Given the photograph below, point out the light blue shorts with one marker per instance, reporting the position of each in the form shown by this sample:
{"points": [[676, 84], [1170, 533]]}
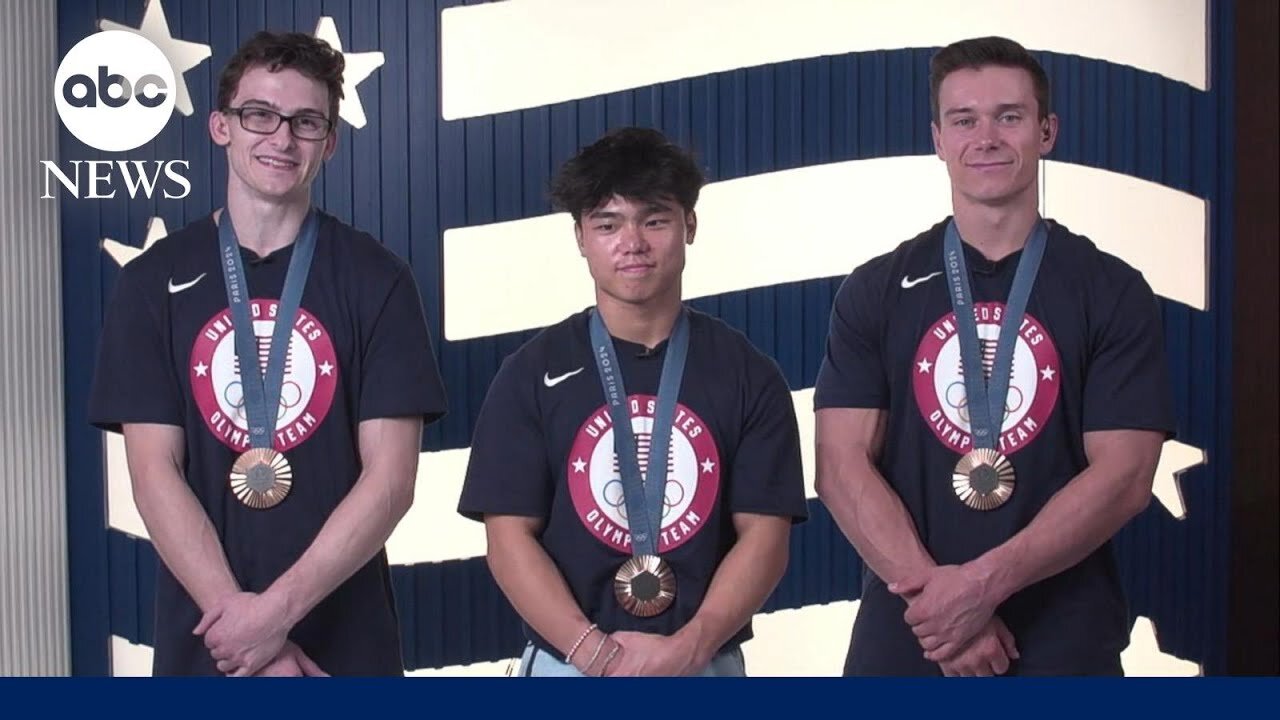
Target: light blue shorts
{"points": [[540, 663]]}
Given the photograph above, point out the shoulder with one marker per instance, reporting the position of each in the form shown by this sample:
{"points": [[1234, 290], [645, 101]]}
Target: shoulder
{"points": [[1085, 265], [729, 347], [913, 258], [184, 251], [555, 346], [359, 251]]}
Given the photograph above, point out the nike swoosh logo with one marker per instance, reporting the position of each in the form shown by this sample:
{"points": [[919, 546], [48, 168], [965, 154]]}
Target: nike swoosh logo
{"points": [[554, 381], [184, 286], [908, 283]]}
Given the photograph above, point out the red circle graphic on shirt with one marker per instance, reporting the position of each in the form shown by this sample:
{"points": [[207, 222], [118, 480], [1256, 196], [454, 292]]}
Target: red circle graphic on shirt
{"points": [[939, 380], [693, 475], [310, 376]]}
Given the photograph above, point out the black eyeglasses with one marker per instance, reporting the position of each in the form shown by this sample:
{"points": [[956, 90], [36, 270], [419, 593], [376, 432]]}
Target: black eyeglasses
{"points": [[262, 121]]}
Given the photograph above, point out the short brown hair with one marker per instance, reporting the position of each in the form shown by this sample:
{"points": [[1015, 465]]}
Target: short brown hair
{"points": [[310, 56], [977, 53]]}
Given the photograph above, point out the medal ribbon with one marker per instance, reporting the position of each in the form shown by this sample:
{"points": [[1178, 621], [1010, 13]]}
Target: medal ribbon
{"points": [[986, 399], [643, 499], [263, 393]]}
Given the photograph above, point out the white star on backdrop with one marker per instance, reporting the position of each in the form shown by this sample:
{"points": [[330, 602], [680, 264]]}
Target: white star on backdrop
{"points": [[924, 366], [1047, 373], [182, 55], [359, 66], [201, 369], [708, 466], [325, 368], [123, 254], [579, 465]]}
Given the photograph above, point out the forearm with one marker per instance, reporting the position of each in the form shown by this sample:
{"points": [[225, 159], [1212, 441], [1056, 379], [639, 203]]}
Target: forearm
{"points": [[536, 589], [182, 534], [1077, 520], [872, 517], [356, 530], [741, 585]]}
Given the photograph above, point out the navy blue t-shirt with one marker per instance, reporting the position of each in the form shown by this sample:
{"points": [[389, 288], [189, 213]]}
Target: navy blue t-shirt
{"points": [[360, 350], [1090, 356], [543, 447]]}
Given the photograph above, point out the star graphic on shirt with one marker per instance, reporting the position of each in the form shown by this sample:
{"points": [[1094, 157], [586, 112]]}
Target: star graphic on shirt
{"points": [[579, 465], [325, 368], [1047, 373], [358, 67], [201, 369], [924, 365], [708, 466]]}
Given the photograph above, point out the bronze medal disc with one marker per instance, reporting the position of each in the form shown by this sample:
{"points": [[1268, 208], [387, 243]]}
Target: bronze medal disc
{"points": [[261, 478], [983, 479], [645, 585]]}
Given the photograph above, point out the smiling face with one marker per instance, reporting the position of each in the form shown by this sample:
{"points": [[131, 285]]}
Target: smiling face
{"points": [[635, 249], [275, 166], [990, 135]]}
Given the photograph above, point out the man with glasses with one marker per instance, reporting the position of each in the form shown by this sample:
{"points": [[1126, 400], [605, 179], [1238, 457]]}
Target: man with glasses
{"points": [[271, 370]]}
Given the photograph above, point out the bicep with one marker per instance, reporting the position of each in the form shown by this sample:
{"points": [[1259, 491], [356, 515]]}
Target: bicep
{"points": [[391, 445], [774, 529], [501, 530], [850, 432], [1130, 453], [149, 446]]}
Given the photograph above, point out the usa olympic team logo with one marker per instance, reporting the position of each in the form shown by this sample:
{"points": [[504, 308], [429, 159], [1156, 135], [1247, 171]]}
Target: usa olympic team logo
{"points": [[310, 376], [939, 379], [693, 475]]}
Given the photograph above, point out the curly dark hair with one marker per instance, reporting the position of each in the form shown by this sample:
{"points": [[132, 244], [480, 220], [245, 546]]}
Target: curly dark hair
{"points": [[639, 164], [310, 56]]}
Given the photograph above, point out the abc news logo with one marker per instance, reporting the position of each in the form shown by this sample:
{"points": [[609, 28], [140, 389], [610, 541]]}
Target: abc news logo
{"points": [[114, 92]]}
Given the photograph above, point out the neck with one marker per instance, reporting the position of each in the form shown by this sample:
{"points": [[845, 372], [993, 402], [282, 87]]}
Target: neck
{"points": [[996, 232], [647, 324], [263, 225]]}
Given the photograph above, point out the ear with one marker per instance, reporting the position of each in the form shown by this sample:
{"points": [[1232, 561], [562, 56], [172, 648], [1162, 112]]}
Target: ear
{"points": [[331, 143], [577, 235], [219, 129], [691, 226], [937, 141], [1048, 134]]}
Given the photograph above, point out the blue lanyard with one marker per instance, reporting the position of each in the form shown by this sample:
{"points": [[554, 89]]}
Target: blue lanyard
{"points": [[986, 399], [261, 393], [644, 500]]}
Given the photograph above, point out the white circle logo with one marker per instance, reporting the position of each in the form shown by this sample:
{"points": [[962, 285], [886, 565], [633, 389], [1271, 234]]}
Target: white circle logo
{"points": [[114, 90]]}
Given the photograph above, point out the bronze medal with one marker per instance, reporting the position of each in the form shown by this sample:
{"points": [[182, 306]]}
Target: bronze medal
{"points": [[645, 585], [261, 478], [983, 479]]}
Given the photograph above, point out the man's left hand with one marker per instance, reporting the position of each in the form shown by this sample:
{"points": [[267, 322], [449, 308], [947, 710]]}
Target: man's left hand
{"points": [[650, 655], [244, 632], [946, 606]]}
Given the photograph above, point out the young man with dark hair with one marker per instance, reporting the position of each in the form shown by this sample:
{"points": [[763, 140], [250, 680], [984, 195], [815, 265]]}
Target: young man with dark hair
{"points": [[612, 572], [271, 370], [991, 408]]}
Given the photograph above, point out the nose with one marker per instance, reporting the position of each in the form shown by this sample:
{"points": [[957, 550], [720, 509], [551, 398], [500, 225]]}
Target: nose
{"points": [[631, 240], [282, 138], [988, 134]]}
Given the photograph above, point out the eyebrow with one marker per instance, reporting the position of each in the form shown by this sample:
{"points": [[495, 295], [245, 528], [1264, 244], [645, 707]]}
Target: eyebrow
{"points": [[255, 102], [1002, 107]]}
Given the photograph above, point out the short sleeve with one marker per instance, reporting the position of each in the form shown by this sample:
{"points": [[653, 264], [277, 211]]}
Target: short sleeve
{"points": [[508, 473], [133, 379], [852, 373], [768, 476], [399, 376], [1127, 383]]}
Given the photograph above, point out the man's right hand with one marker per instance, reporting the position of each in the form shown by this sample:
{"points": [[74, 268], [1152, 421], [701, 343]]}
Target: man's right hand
{"points": [[987, 654], [291, 662]]}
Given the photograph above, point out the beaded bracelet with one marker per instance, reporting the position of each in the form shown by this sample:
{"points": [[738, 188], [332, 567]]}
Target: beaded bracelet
{"points": [[569, 658]]}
